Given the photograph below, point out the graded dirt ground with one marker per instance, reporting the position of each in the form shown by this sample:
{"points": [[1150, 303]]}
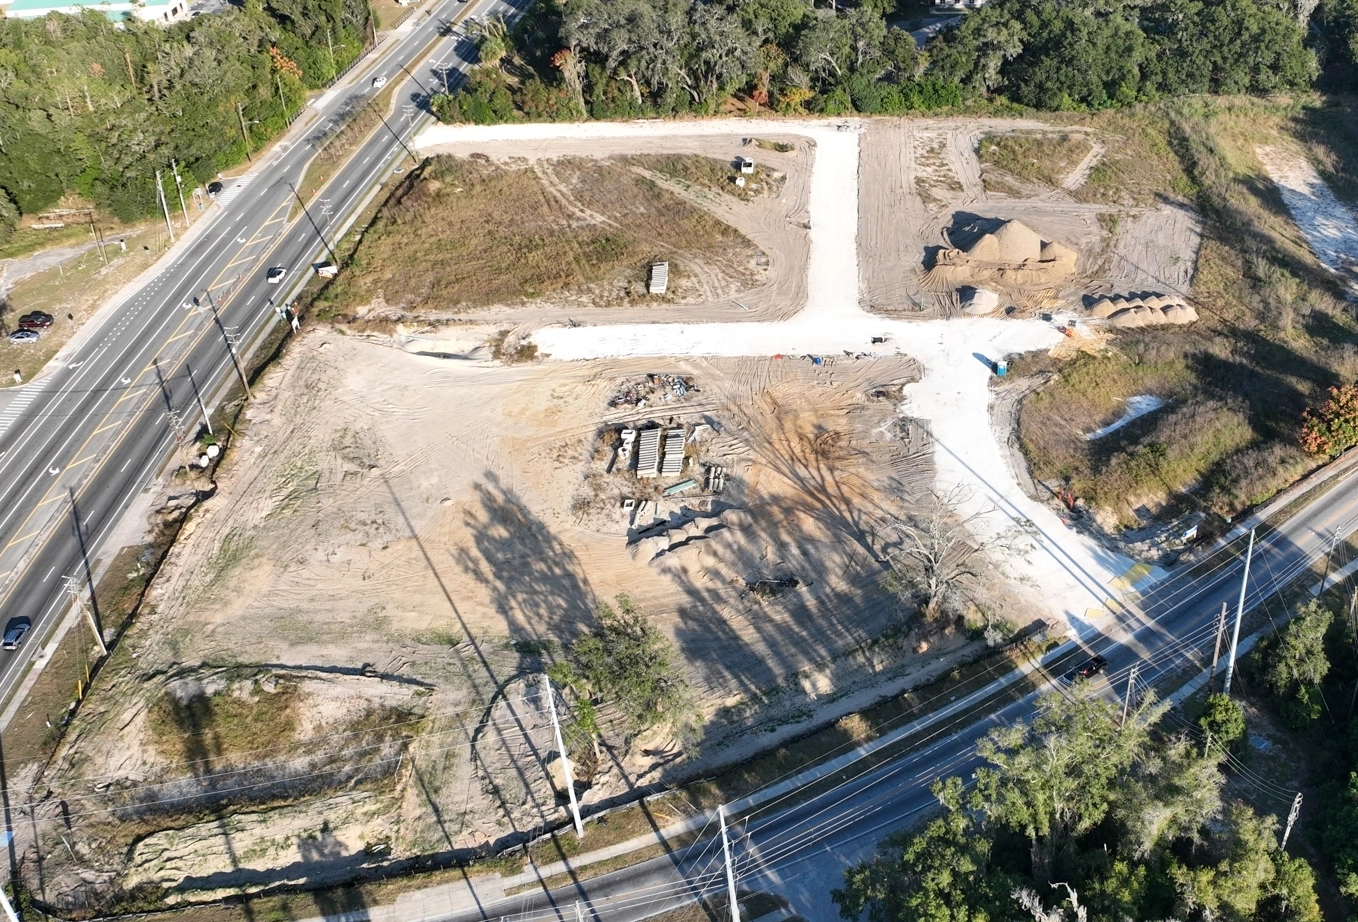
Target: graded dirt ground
{"points": [[404, 540]]}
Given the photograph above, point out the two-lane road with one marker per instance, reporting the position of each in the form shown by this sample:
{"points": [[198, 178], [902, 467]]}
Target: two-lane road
{"points": [[99, 428]]}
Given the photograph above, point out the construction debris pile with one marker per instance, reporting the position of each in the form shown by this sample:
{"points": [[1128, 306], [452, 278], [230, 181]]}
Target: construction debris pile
{"points": [[653, 389], [1149, 310], [1013, 254]]}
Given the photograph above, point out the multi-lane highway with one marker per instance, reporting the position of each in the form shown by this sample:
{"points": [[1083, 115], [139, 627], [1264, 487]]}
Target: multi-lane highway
{"points": [[95, 432], [799, 847]]}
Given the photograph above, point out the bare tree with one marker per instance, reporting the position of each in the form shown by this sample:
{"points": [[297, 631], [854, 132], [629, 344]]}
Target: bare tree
{"points": [[936, 554]]}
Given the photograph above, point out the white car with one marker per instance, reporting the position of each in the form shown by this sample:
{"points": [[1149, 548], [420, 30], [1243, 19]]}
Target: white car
{"points": [[276, 275], [379, 82]]}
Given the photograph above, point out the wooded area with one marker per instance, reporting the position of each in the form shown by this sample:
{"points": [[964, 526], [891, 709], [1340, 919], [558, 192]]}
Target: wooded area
{"points": [[626, 58], [93, 108]]}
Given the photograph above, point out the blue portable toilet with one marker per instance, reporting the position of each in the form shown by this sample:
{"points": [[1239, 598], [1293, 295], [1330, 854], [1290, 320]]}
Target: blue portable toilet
{"points": [[1001, 367]]}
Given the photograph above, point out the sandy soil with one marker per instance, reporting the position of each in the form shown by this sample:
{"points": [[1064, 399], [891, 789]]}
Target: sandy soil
{"points": [[1326, 223]]}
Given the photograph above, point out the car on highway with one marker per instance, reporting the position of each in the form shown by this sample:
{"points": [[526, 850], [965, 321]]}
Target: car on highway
{"points": [[15, 631], [379, 82], [37, 320], [214, 188], [1086, 670], [276, 275], [25, 336]]}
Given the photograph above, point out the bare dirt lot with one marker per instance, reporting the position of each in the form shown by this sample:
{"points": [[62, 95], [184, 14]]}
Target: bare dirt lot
{"points": [[397, 542]]}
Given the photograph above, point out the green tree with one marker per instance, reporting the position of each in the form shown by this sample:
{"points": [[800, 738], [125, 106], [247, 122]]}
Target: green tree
{"points": [[1224, 719], [1052, 779], [1294, 663], [628, 663]]}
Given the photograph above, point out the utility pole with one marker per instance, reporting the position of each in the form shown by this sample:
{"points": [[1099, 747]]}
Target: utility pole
{"points": [[10, 914], [730, 869], [94, 232], [1292, 818], [73, 590], [565, 759], [282, 100], [1216, 651], [184, 209], [164, 206], [1131, 686], [1239, 615], [179, 439], [232, 335], [1207, 744], [207, 420], [240, 114], [409, 112], [331, 45]]}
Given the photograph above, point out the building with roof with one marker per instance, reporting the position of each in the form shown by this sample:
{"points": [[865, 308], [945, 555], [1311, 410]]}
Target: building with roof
{"points": [[948, 6], [162, 11]]}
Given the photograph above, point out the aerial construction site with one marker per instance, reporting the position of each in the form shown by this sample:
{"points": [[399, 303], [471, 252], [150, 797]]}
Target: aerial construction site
{"points": [[499, 416]]}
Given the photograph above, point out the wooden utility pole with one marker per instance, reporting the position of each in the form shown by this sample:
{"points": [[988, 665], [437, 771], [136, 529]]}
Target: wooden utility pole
{"points": [[164, 206], [1216, 651], [245, 135], [184, 209]]}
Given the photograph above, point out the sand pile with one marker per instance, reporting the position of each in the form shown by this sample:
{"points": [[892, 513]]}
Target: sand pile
{"points": [[1012, 254], [1147, 311]]}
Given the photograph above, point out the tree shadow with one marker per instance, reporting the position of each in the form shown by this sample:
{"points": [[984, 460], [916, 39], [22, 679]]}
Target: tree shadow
{"points": [[535, 582]]}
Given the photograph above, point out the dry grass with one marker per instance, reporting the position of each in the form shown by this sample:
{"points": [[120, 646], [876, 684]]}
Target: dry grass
{"points": [[222, 726], [1274, 335], [78, 288], [1140, 166], [466, 233], [1032, 156], [710, 174]]}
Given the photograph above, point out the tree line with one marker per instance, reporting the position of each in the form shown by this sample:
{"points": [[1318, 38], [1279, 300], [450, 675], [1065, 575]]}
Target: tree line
{"points": [[91, 108], [571, 59], [1080, 814]]}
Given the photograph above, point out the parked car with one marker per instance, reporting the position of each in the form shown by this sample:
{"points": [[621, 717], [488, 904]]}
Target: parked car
{"points": [[1087, 670], [379, 82], [15, 631], [276, 275], [25, 336], [37, 320], [214, 188]]}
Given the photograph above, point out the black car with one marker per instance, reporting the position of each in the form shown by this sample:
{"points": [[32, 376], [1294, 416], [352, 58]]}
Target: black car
{"points": [[214, 188], [15, 631], [1087, 670]]}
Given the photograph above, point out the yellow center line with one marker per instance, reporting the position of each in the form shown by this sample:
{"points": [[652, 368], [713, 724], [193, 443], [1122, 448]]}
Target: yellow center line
{"points": [[115, 423], [89, 457], [32, 534]]}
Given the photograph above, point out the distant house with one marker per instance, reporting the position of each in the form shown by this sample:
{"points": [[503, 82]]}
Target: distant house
{"points": [[162, 11], [948, 6]]}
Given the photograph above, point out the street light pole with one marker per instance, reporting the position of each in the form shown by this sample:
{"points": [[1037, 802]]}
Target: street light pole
{"points": [[1239, 615]]}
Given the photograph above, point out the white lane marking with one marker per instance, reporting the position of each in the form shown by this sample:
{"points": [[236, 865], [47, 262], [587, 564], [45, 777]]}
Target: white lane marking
{"points": [[49, 573]]}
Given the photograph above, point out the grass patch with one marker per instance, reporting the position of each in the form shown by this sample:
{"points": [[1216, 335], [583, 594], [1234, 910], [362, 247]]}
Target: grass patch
{"points": [[782, 147], [1139, 166], [221, 727], [1032, 156], [461, 233], [1275, 334]]}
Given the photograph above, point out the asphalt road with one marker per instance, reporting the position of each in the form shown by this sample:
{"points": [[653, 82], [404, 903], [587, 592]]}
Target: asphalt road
{"points": [[800, 850], [99, 429]]}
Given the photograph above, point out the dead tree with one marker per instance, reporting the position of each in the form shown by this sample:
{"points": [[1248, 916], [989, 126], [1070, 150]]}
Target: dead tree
{"points": [[937, 550]]}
